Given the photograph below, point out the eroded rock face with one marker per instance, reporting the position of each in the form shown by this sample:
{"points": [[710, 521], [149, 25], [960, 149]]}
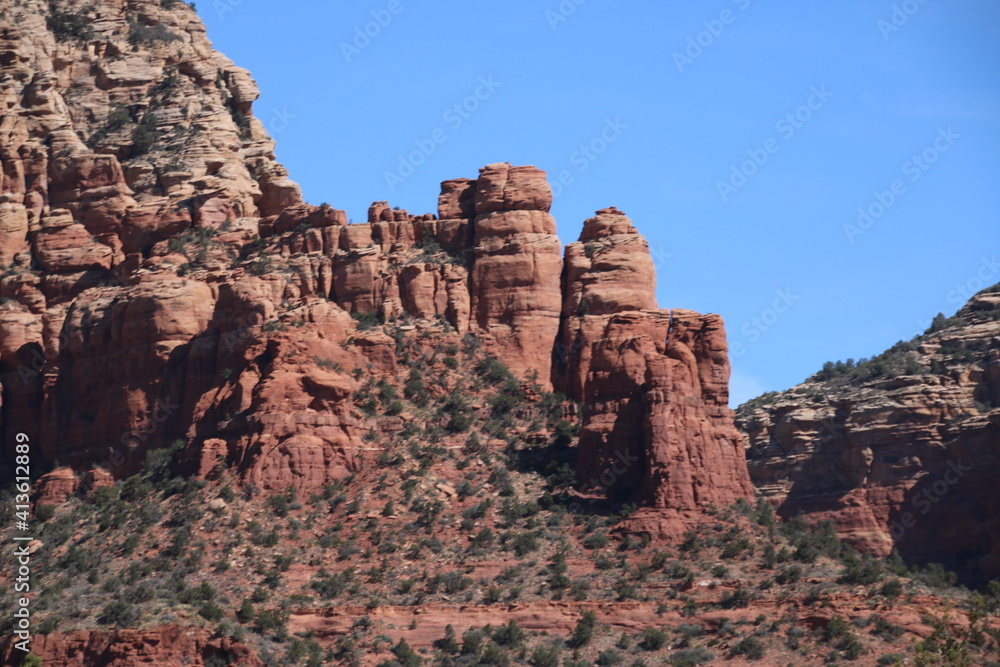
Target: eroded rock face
{"points": [[166, 282], [121, 379], [656, 428], [170, 646], [175, 352], [132, 112], [516, 295], [900, 454], [286, 419]]}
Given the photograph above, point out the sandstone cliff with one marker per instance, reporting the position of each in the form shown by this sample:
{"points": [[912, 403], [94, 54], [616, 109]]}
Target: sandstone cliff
{"points": [[270, 436], [157, 256], [656, 427], [900, 450]]}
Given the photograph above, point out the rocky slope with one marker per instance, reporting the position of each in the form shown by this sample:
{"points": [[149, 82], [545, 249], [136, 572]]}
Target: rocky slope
{"points": [[900, 450], [270, 436]]}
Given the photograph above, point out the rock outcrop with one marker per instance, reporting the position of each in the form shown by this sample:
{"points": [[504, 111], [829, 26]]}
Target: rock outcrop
{"points": [[170, 646], [899, 451], [165, 288], [262, 433], [516, 296], [656, 427]]}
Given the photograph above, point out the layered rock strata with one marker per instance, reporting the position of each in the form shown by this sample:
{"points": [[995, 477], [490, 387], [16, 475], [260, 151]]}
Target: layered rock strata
{"points": [[900, 452], [656, 428]]}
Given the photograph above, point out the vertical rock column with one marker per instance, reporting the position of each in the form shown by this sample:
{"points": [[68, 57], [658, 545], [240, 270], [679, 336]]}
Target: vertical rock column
{"points": [[657, 428], [515, 282]]}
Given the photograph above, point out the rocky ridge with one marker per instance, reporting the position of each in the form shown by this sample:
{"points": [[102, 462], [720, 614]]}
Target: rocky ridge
{"points": [[247, 400], [155, 251], [900, 451]]}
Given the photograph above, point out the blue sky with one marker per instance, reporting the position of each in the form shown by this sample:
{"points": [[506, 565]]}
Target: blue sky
{"points": [[741, 136]]}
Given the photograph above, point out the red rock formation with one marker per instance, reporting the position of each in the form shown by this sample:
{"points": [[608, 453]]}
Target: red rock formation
{"points": [[516, 296], [170, 646], [656, 425], [120, 384], [56, 487], [167, 270], [284, 420], [900, 453]]}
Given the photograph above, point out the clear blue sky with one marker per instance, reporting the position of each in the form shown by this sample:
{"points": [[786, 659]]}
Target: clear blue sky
{"points": [[882, 93]]}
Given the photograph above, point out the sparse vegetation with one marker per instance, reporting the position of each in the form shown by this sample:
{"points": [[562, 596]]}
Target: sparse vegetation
{"points": [[67, 26], [140, 34], [145, 135]]}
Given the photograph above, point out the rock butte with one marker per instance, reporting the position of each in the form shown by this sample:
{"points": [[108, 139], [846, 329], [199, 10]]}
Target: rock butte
{"points": [[115, 341], [164, 282]]}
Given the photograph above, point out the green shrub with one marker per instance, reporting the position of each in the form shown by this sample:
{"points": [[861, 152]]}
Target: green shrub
{"points": [[545, 656], [892, 588], [751, 647], [935, 576], [811, 542], [460, 422], [596, 541], [862, 570], [139, 34], [245, 614], [584, 630], [406, 655], [653, 639], [609, 657], [472, 642], [118, 614], [450, 582], [897, 360], [67, 26], [835, 629], [493, 371], [524, 543], [332, 585], [691, 657], [366, 321], [789, 574], [145, 135], [448, 644], [45, 512], [414, 389], [211, 611], [509, 634], [737, 599]]}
